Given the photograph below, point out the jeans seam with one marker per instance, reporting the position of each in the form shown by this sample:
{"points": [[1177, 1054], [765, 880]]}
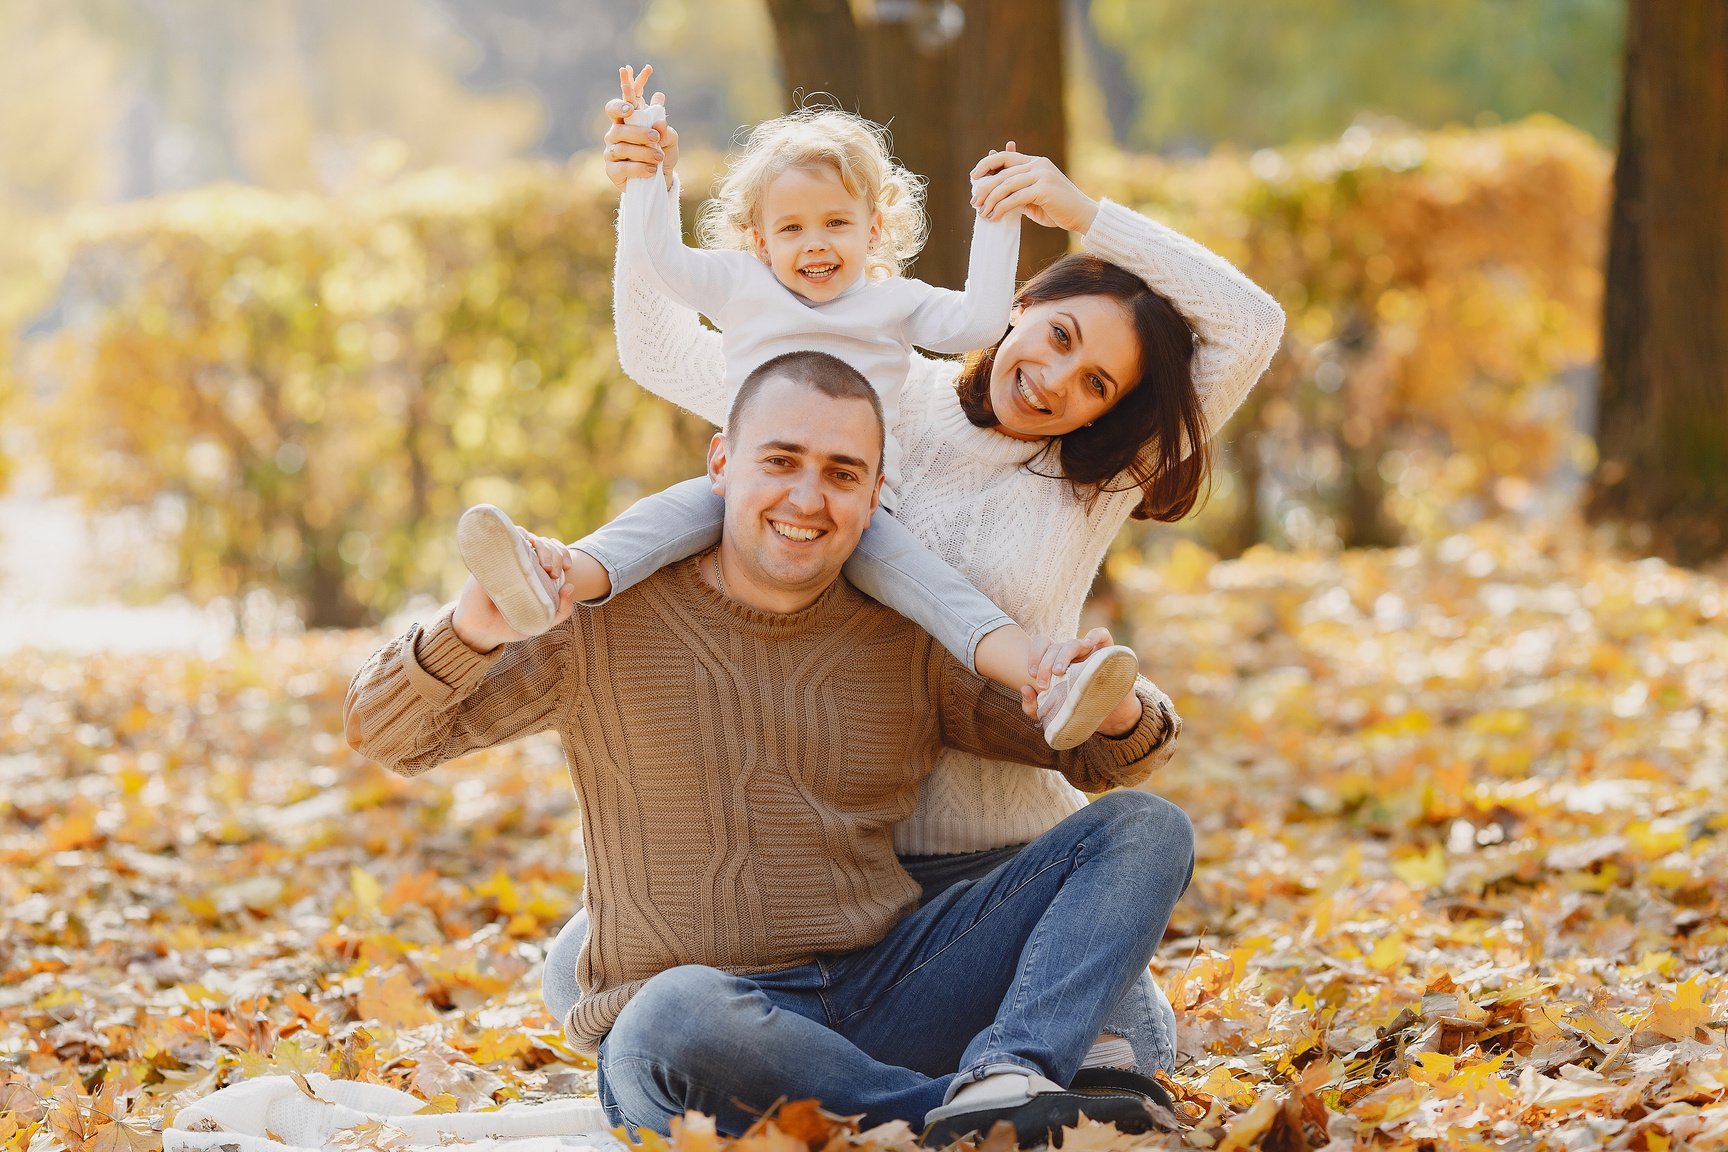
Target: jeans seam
{"points": [[979, 923], [1034, 943]]}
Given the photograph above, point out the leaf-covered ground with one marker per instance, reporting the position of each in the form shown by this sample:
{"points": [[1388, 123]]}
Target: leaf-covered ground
{"points": [[1463, 876]]}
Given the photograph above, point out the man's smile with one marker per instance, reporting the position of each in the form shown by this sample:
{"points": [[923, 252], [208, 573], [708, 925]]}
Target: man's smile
{"points": [[794, 532]]}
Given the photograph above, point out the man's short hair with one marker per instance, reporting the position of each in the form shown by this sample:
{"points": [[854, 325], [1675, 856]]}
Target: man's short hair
{"points": [[829, 375]]}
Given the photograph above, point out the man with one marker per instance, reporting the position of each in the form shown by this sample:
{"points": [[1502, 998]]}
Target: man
{"points": [[744, 731]]}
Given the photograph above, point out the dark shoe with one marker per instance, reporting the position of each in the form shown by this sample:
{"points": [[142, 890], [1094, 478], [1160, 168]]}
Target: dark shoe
{"points": [[1116, 1096]]}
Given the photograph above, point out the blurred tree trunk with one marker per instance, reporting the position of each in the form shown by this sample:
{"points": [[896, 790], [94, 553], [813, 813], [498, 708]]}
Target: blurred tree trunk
{"points": [[1663, 414], [951, 82]]}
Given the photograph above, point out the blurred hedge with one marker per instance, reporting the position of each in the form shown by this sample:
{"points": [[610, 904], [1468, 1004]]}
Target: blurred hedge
{"points": [[309, 391], [1443, 294]]}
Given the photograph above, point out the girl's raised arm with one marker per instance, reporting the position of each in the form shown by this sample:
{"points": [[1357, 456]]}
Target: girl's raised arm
{"points": [[662, 344]]}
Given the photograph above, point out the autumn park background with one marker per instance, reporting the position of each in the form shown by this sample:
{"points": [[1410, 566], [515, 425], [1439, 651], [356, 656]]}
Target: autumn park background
{"points": [[286, 285]]}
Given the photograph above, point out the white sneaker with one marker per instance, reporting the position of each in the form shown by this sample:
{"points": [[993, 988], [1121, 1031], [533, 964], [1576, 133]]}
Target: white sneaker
{"points": [[505, 566], [1078, 700]]}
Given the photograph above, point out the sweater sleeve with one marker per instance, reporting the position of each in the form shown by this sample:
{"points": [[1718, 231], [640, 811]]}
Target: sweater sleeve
{"points": [[985, 719], [662, 344], [1237, 324], [426, 697], [947, 321]]}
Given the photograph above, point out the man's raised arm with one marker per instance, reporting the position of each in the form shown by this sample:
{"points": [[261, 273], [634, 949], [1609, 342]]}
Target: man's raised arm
{"points": [[430, 696]]}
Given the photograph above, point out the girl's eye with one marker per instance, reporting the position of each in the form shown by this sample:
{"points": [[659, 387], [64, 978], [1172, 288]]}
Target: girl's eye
{"points": [[791, 228]]}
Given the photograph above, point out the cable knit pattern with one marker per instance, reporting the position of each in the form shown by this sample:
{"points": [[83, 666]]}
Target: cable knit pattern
{"points": [[739, 773], [1022, 539]]}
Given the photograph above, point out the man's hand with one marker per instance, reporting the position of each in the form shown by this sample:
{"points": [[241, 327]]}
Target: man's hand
{"points": [[479, 624], [1052, 658]]}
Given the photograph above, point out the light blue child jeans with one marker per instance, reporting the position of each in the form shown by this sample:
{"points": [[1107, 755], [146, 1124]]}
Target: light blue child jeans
{"points": [[890, 565], [1160, 847], [1017, 970]]}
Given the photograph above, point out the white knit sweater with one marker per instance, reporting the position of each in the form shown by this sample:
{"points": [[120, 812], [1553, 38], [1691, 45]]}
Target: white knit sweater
{"points": [[1023, 539]]}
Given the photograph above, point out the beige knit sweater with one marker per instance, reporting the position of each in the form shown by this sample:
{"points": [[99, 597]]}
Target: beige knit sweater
{"points": [[739, 773]]}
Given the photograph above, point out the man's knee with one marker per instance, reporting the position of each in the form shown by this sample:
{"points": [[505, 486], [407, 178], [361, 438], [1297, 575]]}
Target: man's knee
{"points": [[667, 1039], [676, 1009], [1145, 818], [1147, 825]]}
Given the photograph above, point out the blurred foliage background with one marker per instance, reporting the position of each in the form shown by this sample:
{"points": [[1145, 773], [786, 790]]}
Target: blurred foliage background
{"points": [[295, 281]]}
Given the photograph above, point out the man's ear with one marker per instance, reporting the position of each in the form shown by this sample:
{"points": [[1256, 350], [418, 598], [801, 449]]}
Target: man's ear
{"points": [[876, 495], [717, 464]]}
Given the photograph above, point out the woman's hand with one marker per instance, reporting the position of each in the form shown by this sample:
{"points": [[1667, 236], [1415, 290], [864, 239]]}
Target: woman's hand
{"points": [[631, 150], [1006, 181]]}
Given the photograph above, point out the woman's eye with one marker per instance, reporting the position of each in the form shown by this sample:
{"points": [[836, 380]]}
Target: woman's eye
{"points": [[1060, 333], [1097, 385]]}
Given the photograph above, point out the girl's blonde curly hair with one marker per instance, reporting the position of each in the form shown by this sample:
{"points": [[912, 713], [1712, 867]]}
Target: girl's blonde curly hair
{"points": [[855, 149]]}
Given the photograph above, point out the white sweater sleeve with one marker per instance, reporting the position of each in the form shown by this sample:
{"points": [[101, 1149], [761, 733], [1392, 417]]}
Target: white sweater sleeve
{"points": [[947, 321], [662, 344], [1238, 324]]}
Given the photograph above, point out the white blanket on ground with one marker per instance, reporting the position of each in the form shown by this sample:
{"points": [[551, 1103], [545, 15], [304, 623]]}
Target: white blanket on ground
{"points": [[275, 1114]]}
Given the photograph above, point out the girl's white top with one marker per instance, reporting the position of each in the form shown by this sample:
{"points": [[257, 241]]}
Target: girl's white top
{"points": [[1023, 539], [873, 325]]}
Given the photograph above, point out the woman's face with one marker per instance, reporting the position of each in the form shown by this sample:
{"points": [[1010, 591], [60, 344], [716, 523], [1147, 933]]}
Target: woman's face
{"points": [[1062, 365]]}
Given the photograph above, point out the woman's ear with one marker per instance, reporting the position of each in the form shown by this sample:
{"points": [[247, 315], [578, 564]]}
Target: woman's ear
{"points": [[1015, 313]]}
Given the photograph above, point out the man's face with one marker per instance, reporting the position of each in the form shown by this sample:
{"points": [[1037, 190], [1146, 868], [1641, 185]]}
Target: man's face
{"points": [[800, 478]]}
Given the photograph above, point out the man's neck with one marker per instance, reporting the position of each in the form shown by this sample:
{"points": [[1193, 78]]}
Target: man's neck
{"points": [[720, 571]]}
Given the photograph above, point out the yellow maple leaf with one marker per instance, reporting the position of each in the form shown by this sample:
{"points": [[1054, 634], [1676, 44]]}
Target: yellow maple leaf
{"points": [[1684, 1016], [394, 1002]]}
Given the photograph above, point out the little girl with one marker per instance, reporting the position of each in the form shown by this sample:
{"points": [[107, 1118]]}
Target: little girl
{"points": [[806, 239]]}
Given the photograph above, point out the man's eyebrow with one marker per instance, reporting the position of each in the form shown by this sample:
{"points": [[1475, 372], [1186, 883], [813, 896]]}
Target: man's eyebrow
{"points": [[1074, 323], [795, 449]]}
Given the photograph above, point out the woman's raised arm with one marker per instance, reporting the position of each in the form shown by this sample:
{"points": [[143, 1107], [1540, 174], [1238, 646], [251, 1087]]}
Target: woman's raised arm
{"points": [[662, 345], [1238, 324]]}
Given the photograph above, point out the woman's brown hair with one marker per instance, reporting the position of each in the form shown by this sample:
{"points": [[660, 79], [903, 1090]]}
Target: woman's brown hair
{"points": [[1143, 437]]}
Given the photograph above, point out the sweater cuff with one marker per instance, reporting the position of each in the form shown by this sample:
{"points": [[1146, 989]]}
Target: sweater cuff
{"points": [[1118, 234], [440, 665], [1153, 740]]}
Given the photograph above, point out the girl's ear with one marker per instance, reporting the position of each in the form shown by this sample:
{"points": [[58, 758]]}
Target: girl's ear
{"points": [[759, 245], [875, 228]]}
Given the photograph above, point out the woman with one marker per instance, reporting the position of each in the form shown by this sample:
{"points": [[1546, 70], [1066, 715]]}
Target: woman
{"points": [[1019, 466]]}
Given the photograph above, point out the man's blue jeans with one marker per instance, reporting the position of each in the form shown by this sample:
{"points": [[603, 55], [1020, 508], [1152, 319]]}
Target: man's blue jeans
{"points": [[1017, 970]]}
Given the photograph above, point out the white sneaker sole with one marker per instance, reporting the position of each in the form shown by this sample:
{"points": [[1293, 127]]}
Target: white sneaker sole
{"points": [[500, 559], [1094, 688]]}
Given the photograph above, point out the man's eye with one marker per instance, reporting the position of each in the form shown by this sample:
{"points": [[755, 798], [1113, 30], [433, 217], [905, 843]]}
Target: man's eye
{"points": [[846, 477]]}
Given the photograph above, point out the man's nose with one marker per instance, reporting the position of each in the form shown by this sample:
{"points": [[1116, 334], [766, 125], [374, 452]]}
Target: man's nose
{"points": [[806, 493]]}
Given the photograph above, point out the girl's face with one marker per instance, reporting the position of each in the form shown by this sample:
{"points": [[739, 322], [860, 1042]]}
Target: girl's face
{"points": [[814, 234], [1062, 365]]}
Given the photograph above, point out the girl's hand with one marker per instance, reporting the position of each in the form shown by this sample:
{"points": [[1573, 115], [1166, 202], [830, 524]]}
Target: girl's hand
{"points": [[1009, 181], [1048, 659], [632, 150]]}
